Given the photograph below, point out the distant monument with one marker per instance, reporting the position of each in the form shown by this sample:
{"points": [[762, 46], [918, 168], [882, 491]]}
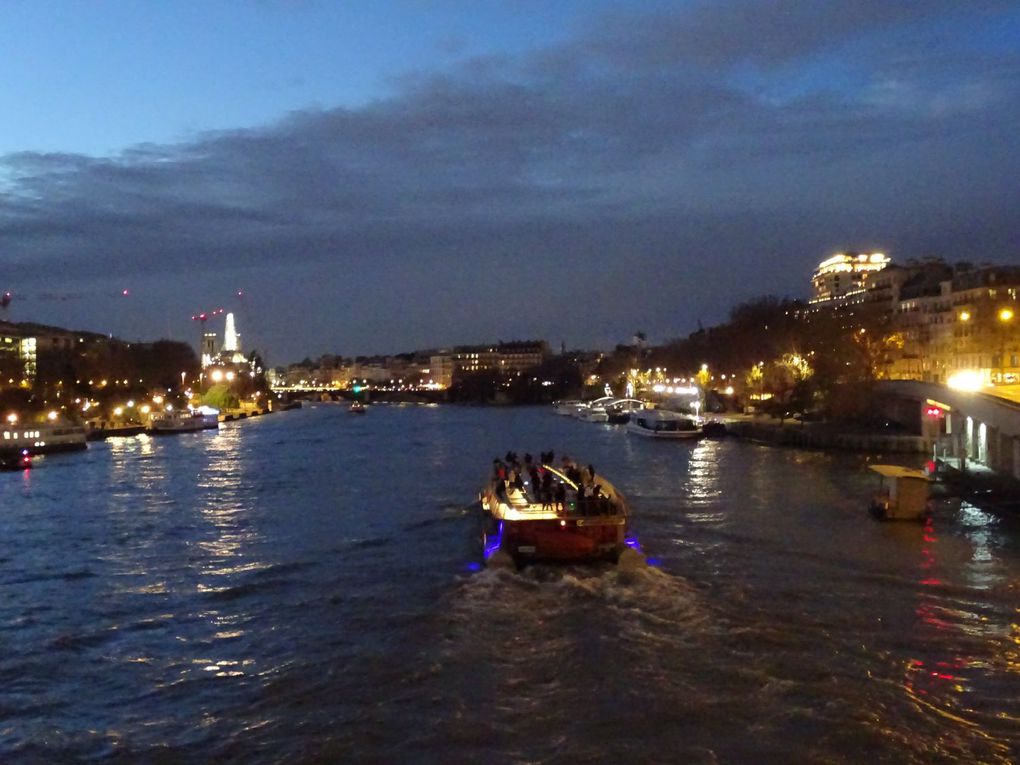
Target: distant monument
{"points": [[229, 352], [231, 343]]}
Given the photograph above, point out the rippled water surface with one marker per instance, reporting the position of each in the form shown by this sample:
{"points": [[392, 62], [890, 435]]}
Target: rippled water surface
{"points": [[301, 588]]}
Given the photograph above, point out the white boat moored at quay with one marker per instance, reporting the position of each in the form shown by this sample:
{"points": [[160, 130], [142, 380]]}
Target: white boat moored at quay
{"points": [[204, 418], [620, 410], [596, 413], [662, 423], [566, 408], [585, 409], [42, 438]]}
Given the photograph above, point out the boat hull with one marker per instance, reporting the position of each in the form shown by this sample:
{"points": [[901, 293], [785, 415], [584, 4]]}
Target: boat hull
{"points": [[127, 431], [675, 435], [170, 426], [583, 526], [42, 439], [570, 540]]}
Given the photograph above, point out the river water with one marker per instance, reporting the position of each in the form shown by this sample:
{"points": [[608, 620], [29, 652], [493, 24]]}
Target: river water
{"points": [[304, 588]]}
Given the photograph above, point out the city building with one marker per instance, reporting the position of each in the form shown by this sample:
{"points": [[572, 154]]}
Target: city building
{"points": [[23, 346], [505, 358], [934, 320], [845, 276]]}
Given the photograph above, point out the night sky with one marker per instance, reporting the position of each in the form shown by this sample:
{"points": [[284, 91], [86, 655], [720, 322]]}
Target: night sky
{"points": [[383, 176]]}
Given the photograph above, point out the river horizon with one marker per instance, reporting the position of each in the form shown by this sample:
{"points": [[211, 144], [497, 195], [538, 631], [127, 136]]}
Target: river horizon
{"points": [[305, 588]]}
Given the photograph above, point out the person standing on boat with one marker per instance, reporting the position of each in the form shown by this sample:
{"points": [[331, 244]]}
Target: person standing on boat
{"points": [[547, 490]]}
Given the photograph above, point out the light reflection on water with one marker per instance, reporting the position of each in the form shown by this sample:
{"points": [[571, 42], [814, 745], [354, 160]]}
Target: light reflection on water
{"points": [[295, 588]]}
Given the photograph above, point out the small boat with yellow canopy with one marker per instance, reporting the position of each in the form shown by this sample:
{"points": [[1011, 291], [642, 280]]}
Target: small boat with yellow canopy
{"points": [[903, 494]]}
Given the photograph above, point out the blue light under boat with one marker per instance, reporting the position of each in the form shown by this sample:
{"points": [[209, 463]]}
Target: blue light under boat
{"points": [[493, 546]]}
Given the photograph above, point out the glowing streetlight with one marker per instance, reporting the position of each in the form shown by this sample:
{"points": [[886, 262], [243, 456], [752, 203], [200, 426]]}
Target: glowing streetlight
{"points": [[965, 380], [12, 418], [964, 316], [52, 416], [1005, 316]]}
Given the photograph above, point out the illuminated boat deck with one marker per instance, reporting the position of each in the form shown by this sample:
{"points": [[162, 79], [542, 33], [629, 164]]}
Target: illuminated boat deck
{"points": [[519, 506]]}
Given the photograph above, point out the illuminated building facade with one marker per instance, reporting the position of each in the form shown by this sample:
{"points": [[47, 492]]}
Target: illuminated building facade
{"points": [[17, 360], [964, 322], [845, 276], [208, 348], [22, 346], [931, 319], [506, 358]]}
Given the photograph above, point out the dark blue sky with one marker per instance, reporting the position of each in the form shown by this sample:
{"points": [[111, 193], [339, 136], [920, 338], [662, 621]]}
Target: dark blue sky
{"points": [[383, 176]]}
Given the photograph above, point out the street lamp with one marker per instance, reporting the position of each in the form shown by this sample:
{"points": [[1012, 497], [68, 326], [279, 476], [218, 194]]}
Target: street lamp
{"points": [[1005, 316]]}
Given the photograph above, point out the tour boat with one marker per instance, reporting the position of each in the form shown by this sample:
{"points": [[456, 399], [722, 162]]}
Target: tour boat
{"points": [[589, 524], [183, 422], [661, 423], [16, 460], [356, 408], [40, 438]]}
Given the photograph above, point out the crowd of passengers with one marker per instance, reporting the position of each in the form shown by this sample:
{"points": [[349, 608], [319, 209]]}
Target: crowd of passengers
{"points": [[539, 485]]}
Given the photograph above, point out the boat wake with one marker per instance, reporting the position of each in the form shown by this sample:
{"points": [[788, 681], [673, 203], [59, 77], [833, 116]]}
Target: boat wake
{"points": [[630, 600]]}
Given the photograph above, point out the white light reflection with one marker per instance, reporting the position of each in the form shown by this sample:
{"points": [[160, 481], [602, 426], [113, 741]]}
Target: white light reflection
{"points": [[703, 477], [986, 571]]}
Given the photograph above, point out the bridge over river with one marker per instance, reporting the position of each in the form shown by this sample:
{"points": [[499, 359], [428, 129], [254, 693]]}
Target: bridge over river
{"points": [[969, 430]]}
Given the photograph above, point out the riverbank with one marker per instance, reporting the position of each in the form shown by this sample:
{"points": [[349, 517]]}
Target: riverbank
{"points": [[819, 435]]}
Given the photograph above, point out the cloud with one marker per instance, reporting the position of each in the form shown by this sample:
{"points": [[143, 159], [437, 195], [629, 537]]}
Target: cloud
{"points": [[638, 142]]}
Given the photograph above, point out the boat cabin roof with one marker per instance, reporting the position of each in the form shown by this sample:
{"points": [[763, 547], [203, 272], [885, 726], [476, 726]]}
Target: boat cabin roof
{"points": [[664, 415], [896, 471]]}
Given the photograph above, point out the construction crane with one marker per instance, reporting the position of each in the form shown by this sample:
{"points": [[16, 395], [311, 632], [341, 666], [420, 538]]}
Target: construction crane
{"points": [[7, 297], [205, 316]]}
